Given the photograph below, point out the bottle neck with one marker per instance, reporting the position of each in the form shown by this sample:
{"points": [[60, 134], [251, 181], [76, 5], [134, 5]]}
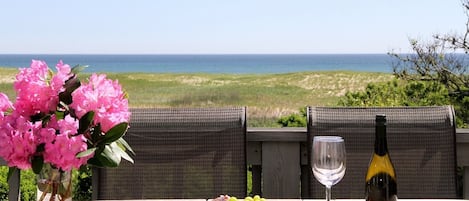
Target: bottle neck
{"points": [[381, 144]]}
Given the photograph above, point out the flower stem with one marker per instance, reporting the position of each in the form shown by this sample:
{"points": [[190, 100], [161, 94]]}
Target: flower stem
{"points": [[44, 193], [53, 185], [68, 192]]}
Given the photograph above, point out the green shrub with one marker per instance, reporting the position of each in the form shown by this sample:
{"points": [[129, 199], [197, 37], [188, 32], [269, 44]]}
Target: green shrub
{"points": [[294, 120], [398, 93], [82, 184], [411, 93], [380, 94], [27, 185], [3, 183]]}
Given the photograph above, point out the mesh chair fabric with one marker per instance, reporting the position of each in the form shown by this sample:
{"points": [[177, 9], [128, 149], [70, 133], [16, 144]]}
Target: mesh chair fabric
{"points": [[180, 153], [421, 143]]}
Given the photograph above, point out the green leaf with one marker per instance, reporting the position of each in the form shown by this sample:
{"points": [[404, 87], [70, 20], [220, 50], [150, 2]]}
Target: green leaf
{"points": [[96, 134], [78, 68], [70, 86], [126, 156], [95, 162], [126, 146], [115, 133], [86, 153], [113, 157], [37, 117], [11, 170], [83, 168], [41, 147], [85, 121], [118, 150], [37, 164], [59, 115], [107, 158]]}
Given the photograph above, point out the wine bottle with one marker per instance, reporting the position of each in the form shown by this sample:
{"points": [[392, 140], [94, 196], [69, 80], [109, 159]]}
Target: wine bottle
{"points": [[380, 178]]}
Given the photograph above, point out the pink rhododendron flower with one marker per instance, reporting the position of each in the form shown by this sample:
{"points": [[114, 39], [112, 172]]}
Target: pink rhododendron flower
{"points": [[37, 92], [5, 105], [103, 96], [62, 153], [46, 135], [18, 141], [63, 74], [61, 149]]}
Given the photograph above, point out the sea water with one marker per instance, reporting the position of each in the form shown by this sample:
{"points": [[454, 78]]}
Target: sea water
{"points": [[237, 64]]}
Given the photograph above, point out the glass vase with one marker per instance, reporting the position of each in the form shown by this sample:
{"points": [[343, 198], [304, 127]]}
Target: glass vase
{"points": [[54, 184]]}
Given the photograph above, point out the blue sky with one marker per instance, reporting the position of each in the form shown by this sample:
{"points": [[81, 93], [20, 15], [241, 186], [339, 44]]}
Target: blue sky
{"points": [[222, 27]]}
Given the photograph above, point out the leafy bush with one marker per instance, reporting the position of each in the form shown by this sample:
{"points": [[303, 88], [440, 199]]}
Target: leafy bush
{"points": [[398, 93], [391, 93], [395, 93], [294, 120], [409, 93], [3, 183], [27, 186], [379, 94], [82, 184]]}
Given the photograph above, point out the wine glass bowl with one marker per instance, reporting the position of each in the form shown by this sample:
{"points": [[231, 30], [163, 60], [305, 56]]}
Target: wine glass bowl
{"points": [[328, 161]]}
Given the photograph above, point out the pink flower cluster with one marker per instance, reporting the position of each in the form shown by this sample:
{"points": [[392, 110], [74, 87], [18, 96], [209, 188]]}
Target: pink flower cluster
{"points": [[5, 105], [103, 96], [18, 140], [62, 148], [38, 91]]}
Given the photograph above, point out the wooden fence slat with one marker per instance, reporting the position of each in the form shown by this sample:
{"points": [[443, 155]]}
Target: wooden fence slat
{"points": [[281, 171]]}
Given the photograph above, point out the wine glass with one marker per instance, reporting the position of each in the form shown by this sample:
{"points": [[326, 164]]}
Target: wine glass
{"points": [[328, 161]]}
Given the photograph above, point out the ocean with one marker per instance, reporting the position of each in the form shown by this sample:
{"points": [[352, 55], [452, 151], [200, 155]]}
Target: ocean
{"points": [[231, 64]]}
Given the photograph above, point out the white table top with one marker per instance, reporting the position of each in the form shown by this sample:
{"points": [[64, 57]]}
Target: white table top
{"points": [[267, 199]]}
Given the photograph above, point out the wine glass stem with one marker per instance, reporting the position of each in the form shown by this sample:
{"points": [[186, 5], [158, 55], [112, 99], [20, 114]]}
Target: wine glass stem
{"points": [[328, 193]]}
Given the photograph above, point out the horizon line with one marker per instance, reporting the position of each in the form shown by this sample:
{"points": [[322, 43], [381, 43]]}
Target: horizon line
{"points": [[198, 53]]}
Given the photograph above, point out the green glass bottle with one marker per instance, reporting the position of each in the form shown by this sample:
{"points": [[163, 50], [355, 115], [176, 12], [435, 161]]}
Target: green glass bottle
{"points": [[381, 178]]}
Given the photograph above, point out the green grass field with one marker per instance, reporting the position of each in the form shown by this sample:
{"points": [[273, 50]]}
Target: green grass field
{"points": [[267, 96]]}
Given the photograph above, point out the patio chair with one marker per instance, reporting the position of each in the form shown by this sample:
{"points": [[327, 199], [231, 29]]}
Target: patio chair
{"points": [[13, 183], [180, 153], [421, 143]]}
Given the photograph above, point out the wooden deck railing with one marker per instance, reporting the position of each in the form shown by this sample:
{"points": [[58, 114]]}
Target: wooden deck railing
{"points": [[279, 155]]}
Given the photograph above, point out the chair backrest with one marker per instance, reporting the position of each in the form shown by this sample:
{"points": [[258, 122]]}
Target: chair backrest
{"points": [[180, 153], [421, 143]]}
